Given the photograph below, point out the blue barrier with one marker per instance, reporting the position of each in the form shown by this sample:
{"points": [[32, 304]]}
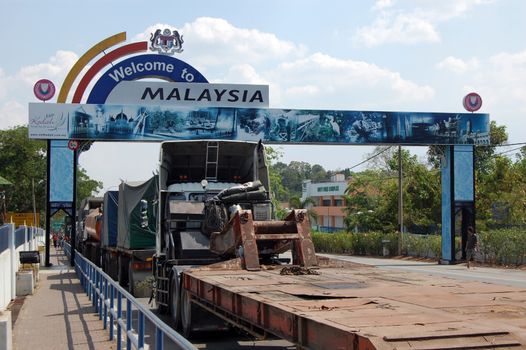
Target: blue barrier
{"points": [[104, 292], [4, 238], [20, 236]]}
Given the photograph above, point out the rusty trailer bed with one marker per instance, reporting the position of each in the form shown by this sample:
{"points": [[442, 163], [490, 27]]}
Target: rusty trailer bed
{"points": [[351, 306]]}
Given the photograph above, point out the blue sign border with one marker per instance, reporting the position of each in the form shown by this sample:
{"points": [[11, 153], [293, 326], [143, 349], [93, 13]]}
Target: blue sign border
{"points": [[135, 68], [113, 122]]}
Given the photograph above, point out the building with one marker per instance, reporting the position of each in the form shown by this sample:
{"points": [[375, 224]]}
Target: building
{"points": [[329, 202]]}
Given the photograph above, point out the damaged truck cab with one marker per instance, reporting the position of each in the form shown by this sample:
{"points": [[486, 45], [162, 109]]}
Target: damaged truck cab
{"points": [[191, 175]]}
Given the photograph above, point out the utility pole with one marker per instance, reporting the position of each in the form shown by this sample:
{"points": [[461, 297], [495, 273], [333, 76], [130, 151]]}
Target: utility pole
{"points": [[400, 199], [34, 204]]}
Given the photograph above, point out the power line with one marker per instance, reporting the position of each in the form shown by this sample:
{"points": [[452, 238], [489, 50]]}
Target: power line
{"points": [[368, 159], [511, 144], [508, 151]]}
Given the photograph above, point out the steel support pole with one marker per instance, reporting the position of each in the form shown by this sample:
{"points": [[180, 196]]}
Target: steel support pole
{"points": [[48, 206], [400, 200]]}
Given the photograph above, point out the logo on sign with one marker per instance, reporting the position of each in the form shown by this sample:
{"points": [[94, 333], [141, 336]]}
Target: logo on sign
{"points": [[73, 145], [44, 89], [472, 102], [166, 42]]}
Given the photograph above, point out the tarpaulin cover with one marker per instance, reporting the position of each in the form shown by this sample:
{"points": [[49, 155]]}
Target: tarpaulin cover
{"points": [[131, 234], [93, 224], [110, 221], [250, 191]]}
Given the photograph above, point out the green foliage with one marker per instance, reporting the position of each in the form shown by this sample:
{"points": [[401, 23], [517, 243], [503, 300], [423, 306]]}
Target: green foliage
{"points": [[425, 246], [372, 195], [370, 243], [22, 162], [86, 187], [506, 246], [277, 190]]}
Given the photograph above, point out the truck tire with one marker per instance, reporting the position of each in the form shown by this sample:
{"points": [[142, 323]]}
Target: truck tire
{"points": [[123, 273], [175, 299], [103, 264], [186, 314]]}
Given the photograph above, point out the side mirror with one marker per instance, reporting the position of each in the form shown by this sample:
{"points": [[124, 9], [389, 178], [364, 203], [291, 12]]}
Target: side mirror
{"points": [[144, 213]]}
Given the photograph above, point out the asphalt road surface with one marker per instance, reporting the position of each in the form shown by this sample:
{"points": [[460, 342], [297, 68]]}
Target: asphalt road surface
{"points": [[495, 275]]}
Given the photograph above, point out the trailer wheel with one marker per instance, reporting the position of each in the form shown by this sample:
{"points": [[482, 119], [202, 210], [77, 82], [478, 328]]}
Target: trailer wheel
{"points": [[122, 273], [175, 299], [186, 314]]}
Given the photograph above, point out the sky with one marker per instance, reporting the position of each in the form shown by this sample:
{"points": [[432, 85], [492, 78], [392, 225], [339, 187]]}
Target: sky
{"points": [[385, 55]]}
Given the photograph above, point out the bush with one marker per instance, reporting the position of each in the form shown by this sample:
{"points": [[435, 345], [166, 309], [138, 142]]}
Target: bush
{"points": [[503, 246], [425, 246], [370, 243]]}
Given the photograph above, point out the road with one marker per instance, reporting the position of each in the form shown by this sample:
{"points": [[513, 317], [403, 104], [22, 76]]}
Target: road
{"points": [[495, 275]]}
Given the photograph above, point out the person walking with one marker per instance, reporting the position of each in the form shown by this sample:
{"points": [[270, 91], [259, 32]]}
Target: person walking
{"points": [[471, 246], [55, 239]]}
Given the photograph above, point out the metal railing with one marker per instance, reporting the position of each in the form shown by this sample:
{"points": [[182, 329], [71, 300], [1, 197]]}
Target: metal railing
{"points": [[108, 297]]}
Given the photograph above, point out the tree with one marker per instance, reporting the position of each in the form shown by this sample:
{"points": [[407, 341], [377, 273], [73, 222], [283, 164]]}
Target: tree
{"points": [[86, 187], [22, 161], [372, 195], [318, 173], [277, 190], [363, 198]]}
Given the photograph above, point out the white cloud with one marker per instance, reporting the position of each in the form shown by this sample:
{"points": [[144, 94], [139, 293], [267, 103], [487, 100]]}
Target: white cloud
{"points": [[303, 91], [12, 113], [17, 89], [244, 73], [505, 75], [499, 79], [447, 9], [322, 81], [403, 29], [55, 69], [210, 42], [457, 65], [3, 83], [407, 24], [382, 4]]}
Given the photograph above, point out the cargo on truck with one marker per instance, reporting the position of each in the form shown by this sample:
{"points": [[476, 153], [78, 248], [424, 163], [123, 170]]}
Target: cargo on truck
{"points": [[122, 237]]}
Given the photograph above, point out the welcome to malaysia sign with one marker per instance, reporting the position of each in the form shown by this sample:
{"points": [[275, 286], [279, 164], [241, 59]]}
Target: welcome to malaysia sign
{"points": [[216, 95], [146, 122]]}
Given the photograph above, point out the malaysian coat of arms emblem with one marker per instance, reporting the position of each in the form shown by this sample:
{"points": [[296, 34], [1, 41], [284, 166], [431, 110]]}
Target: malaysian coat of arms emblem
{"points": [[166, 42]]}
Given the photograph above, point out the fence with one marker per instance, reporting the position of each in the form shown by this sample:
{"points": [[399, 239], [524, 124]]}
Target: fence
{"points": [[108, 298], [12, 242]]}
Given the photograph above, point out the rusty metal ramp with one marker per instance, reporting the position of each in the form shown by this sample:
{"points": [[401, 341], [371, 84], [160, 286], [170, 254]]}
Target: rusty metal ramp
{"points": [[362, 307], [454, 340]]}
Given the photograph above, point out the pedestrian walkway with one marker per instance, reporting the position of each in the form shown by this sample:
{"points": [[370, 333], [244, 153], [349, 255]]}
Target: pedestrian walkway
{"points": [[59, 315]]}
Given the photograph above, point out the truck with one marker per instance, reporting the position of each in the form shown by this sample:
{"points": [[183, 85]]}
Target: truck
{"points": [[119, 237], [216, 256], [88, 238], [219, 264]]}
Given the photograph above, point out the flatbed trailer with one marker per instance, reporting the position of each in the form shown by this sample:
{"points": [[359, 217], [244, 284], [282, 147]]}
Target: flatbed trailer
{"points": [[352, 306]]}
